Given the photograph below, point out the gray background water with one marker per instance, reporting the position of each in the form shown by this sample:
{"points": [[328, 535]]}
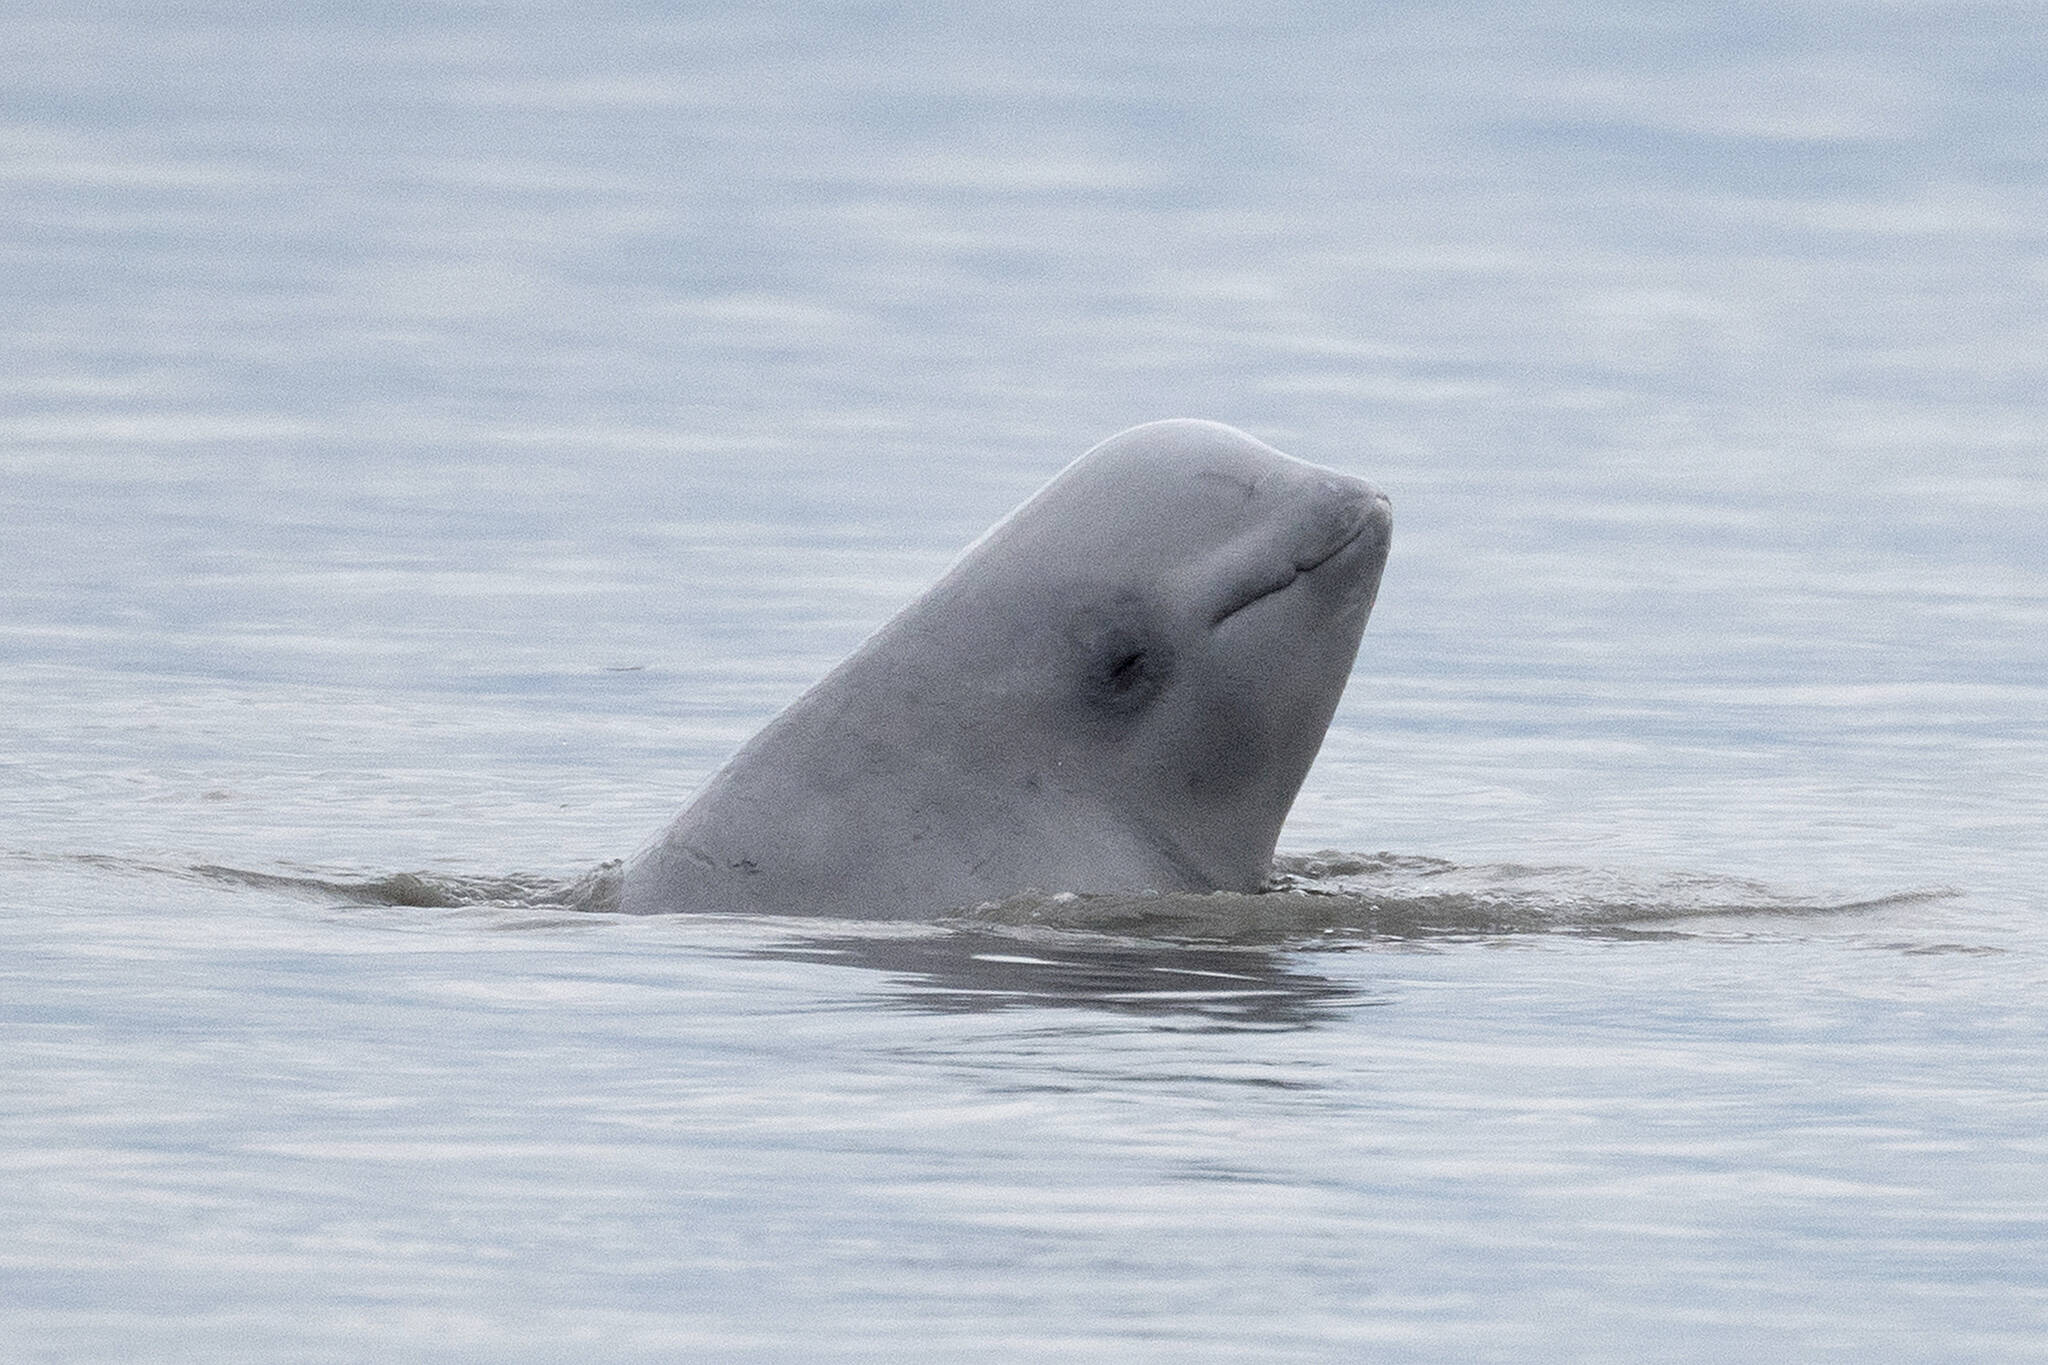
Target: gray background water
{"points": [[431, 437]]}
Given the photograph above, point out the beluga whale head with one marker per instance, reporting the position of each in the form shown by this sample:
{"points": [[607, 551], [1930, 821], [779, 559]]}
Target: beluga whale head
{"points": [[1119, 687]]}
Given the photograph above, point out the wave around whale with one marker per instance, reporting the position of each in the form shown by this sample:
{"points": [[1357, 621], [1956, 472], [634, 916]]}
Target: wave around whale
{"points": [[1328, 898]]}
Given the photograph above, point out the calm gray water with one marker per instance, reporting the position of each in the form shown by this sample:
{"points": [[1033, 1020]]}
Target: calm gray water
{"points": [[432, 437]]}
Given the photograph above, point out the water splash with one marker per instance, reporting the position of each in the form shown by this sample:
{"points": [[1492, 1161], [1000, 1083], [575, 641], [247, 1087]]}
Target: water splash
{"points": [[594, 891], [1335, 897]]}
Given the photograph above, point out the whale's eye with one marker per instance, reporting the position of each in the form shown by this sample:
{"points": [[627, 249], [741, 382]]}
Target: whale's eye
{"points": [[1127, 672], [1123, 666]]}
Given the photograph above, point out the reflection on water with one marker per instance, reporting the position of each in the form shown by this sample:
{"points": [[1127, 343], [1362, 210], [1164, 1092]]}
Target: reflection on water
{"points": [[973, 971]]}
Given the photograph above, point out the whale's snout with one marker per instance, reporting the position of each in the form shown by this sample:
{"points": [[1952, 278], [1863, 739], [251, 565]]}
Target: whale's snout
{"points": [[1334, 520], [1378, 515], [1347, 512]]}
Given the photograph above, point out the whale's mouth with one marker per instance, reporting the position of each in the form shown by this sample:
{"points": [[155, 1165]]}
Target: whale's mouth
{"points": [[1359, 517]]}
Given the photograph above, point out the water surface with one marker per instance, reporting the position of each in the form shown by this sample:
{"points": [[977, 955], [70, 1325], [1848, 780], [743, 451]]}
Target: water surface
{"points": [[432, 438]]}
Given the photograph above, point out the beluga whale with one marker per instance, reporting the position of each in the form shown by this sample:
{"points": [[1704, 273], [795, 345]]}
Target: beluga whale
{"points": [[1118, 688]]}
